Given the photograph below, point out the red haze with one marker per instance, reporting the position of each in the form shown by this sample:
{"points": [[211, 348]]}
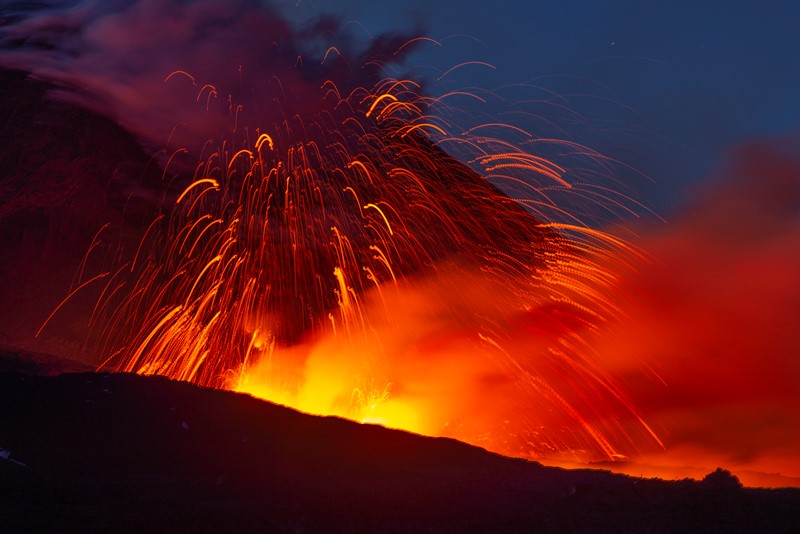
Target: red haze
{"points": [[715, 315]]}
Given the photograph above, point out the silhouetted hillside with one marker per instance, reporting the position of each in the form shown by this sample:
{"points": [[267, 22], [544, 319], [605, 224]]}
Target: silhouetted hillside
{"points": [[129, 453]]}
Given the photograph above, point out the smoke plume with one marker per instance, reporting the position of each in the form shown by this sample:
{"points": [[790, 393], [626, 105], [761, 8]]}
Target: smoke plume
{"points": [[178, 73], [715, 316]]}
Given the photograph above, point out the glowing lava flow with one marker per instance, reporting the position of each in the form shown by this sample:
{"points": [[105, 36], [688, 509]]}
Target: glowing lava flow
{"points": [[344, 264]]}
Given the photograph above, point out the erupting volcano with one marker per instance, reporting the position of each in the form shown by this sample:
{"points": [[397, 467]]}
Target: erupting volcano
{"points": [[309, 225], [343, 264]]}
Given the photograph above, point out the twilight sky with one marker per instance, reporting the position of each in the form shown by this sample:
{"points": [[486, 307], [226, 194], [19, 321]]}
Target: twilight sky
{"points": [[667, 87]]}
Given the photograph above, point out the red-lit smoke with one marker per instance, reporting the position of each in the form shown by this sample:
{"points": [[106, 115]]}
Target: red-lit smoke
{"points": [[715, 316]]}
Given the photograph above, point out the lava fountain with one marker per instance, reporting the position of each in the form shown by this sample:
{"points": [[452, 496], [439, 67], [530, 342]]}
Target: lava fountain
{"points": [[344, 263]]}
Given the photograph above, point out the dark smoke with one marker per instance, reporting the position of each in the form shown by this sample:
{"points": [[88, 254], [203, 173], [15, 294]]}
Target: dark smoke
{"points": [[68, 170], [113, 57]]}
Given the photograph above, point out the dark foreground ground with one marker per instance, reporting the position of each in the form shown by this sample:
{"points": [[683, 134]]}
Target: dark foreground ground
{"points": [[115, 452]]}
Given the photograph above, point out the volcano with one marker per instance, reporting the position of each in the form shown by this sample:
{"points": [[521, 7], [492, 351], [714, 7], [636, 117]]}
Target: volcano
{"points": [[360, 271], [99, 451]]}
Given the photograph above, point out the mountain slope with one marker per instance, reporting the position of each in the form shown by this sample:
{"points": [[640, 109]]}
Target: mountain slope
{"points": [[102, 451]]}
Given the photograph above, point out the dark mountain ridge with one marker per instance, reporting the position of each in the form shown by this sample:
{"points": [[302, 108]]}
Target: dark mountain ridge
{"points": [[124, 452]]}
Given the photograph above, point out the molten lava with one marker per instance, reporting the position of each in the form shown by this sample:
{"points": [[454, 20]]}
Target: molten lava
{"points": [[344, 264]]}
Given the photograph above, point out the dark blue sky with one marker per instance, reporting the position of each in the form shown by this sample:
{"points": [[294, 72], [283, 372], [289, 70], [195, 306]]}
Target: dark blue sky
{"points": [[667, 87]]}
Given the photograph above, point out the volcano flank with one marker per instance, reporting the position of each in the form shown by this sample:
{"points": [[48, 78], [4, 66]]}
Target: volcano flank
{"points": [[125, 452]]}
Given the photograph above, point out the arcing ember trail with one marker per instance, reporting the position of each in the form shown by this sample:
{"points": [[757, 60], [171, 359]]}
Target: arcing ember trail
{"points": [[336, 240], [343, 263]]}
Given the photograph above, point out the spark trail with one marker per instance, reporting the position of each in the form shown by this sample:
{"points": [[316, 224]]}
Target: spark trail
{"points": [[343, 263]]}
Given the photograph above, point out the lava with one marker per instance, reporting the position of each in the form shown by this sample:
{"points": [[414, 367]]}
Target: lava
{"points": [[344, 264]]}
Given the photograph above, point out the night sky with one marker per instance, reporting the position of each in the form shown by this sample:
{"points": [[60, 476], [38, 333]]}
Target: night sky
{"points": [[666, 87]]}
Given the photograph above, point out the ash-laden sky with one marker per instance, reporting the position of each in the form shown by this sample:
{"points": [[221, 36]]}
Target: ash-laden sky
{"points": [[697, 104]]}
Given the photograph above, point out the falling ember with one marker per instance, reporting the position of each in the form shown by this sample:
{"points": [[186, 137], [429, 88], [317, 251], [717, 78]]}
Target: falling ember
{"points": [[344, 264]]}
